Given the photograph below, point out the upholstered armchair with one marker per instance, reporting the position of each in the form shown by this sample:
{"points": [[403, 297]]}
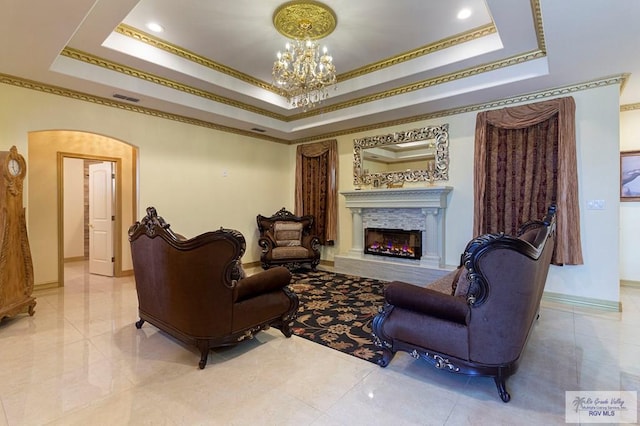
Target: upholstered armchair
{"points": [[195, 289], [481, 326], [286, 240]]}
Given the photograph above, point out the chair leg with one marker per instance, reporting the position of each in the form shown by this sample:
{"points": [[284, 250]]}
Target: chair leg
{"points": [[387, 356], [502, 388], [204, 355], [286, 329], [203, 345]]}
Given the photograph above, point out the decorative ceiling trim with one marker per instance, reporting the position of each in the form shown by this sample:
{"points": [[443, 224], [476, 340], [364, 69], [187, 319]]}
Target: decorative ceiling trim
{"points": [[59, 91], [421, 51], [446, 78], [538, 25], [624, 82], [149, 39], [94, 60], [155, 79], [535, 96], [630, 107], [562, 91]]}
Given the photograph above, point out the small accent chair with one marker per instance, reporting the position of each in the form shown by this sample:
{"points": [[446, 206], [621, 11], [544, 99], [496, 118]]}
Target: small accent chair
{"points": [[196, 291], [286, 240], [481, 327]]}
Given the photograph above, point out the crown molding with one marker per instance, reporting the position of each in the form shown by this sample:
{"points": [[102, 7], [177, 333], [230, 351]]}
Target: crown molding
{"points": [[421, 51], [151, 40], [158, 43], [155, 79], [473, 34], [535, 96], [152, 78], [59, 91], [630, 107], [539, 27], [446, 78]]}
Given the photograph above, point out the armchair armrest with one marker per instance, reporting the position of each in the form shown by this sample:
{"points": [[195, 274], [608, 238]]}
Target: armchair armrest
{"points": [[261, 282], [267, 242], [311, 241], [427, 301]]}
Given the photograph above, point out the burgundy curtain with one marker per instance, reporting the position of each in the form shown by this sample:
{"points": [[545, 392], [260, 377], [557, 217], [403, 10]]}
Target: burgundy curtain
{"points": [[317, 188], [525, 159]]}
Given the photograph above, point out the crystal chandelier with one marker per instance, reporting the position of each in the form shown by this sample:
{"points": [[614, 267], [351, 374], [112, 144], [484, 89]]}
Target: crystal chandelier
{"points": [[303, 72]]}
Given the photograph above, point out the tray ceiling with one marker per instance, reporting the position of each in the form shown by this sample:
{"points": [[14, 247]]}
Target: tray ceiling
{"points": [[396, 61]]}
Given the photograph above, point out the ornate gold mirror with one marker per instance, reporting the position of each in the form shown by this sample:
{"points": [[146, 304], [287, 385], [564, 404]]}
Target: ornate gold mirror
{"points": [[418, 155]]}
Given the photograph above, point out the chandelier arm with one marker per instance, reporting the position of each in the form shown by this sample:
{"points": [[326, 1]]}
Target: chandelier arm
{"points": [[304, 73]]}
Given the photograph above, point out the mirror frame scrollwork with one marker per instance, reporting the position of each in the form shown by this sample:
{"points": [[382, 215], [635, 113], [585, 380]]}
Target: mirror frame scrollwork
{"points": [[440, 170]]}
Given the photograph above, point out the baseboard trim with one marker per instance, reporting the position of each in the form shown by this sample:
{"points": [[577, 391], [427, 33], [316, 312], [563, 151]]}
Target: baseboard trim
{"points": [[584, 302], [74, 259], [127, 273], [45, 286], [629, 283]]}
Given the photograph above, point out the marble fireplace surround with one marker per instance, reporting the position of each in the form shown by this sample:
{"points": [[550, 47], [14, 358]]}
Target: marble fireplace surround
{"points": [[403, 208]]}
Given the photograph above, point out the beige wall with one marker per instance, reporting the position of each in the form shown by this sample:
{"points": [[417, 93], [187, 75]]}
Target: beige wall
{"points": [[629, 211], [73, 208], [182, 172], [597, 132]]}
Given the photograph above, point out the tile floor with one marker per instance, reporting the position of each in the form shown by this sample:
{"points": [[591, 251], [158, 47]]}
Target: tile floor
{"points": [[80, 360]]}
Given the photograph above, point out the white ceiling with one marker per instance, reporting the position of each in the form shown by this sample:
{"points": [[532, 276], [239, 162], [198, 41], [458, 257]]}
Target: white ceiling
{"points": [[212, 64]]}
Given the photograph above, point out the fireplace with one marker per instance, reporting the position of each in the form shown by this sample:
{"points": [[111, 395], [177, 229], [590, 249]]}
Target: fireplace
{"points": [[402, 208], [400, 243]]}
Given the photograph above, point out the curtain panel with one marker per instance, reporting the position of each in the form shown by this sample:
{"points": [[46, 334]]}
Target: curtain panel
{"points": [[317, 187], [532, 160]]}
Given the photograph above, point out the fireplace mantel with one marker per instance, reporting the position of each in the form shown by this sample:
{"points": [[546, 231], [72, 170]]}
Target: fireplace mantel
{"points": [[433, 196], [430, 202]]}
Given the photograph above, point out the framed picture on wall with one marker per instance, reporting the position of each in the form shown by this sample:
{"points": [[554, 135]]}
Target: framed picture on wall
{"points": [[630, 176]]}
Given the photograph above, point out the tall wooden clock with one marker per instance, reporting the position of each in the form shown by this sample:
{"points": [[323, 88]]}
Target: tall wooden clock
{"points": [[16, 267]]}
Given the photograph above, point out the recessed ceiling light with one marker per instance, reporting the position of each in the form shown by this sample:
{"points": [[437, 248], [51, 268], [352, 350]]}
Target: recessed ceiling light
{"points": [[464, 13], [155, 27]]}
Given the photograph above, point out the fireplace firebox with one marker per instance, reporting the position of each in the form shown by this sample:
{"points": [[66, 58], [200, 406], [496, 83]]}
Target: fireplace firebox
{"points": [[405, 244]]}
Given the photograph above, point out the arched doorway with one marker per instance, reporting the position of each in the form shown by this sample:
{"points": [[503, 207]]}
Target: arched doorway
{"points": [[46, 152]]}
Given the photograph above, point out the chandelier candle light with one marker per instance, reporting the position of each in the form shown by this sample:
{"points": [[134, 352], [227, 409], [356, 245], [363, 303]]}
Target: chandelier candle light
{"points": [[304, 72]]}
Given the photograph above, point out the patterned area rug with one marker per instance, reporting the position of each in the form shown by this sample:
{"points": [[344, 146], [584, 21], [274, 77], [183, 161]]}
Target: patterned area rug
{"points": [[336, 310]]}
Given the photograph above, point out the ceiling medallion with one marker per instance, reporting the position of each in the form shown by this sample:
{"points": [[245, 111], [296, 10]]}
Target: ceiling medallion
{"points": [[304, 19], [303, 72]]}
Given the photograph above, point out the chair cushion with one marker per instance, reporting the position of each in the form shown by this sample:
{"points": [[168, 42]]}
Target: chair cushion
{"points": [[427, 301], [461, 283], [287, 234], [293, 252], [445, 284], [261, 283]]}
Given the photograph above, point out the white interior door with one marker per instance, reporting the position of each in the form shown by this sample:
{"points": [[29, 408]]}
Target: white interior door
{"points": [[101, 220]]}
